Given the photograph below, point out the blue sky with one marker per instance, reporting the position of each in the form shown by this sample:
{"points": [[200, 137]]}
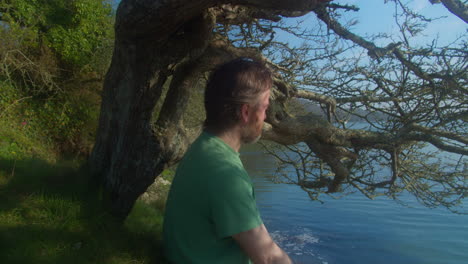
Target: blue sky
{"points": [[375, 16]]}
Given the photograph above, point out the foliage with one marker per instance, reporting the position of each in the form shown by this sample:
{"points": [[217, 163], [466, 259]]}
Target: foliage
{"points": [[64, 123], [75, 30], [54, 55], [17, 139]]}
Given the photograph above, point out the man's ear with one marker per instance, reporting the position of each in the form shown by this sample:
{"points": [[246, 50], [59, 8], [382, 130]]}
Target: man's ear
{"points": [[245, 111]]}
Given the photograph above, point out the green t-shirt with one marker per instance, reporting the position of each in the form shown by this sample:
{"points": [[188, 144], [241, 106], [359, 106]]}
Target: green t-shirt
{"points": [[211, 199]]}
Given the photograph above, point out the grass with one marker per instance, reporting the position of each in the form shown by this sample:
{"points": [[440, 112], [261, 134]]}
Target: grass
{"points": [[48, 214]]}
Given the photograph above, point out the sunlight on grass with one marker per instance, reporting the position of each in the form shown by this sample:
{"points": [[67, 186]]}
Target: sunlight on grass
{"points": [[11, 218], [145, 220]]}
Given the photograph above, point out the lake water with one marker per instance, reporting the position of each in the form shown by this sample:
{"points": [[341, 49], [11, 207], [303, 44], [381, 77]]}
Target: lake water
{"points": [[354, 229]]}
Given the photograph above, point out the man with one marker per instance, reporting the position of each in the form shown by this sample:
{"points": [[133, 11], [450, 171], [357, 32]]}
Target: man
{"points": [[211, 213]]}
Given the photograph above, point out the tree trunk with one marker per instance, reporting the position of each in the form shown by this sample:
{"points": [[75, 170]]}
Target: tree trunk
{"points": [[131, 149], [127, 155]]}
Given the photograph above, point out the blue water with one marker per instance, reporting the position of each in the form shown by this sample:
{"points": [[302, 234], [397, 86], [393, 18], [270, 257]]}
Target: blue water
{"points": [[354, 229]]}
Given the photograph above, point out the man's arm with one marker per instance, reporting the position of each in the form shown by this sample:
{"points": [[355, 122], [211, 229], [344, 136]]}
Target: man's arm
{"points": [[260, 248]]}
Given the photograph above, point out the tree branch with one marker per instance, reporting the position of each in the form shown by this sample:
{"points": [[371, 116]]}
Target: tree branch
{"points": [[437, 142], [286, 8], [457, 8], [155, 19], [316, 97], [236, 14], [440, 133], [345, 7], [159, 19], [373, 51], [367, 99]]}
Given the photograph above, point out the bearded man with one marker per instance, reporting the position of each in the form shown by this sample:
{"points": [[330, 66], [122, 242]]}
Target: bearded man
{"points": [[211, 214]]}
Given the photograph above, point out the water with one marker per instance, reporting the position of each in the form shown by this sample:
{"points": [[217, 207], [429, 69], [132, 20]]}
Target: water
{"points": [[354, 229]]}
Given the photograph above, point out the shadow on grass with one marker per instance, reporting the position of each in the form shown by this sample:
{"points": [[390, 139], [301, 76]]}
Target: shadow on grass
{"points": [[52, 213]]}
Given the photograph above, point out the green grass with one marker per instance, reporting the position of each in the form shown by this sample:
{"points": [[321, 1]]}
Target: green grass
{"points": [[49, 214]]}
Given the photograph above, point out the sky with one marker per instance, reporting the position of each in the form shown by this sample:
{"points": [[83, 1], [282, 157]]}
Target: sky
{"points": [[375, 16]]}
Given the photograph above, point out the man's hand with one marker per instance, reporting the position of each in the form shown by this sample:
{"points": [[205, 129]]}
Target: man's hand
{"points": [[260, 248]]}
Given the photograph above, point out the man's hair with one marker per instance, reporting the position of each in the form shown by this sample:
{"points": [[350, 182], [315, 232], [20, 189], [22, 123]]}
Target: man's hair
{"points": [[230, 86]]}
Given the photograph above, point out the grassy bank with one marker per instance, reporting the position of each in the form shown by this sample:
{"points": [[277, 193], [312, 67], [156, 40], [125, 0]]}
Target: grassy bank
{"points": [[49, 214], [50, 86]]}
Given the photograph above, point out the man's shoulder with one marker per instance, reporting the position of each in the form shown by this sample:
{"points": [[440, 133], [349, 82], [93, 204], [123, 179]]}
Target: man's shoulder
{"points": [[211, 148], [209, 155]]}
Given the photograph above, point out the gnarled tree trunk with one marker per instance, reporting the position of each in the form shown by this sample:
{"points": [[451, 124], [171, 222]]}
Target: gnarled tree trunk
{"points": [[131, 149]]}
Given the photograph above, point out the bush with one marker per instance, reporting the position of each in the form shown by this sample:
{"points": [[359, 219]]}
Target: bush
{"points": [[66, 122], [74, 30], [54, 54]]}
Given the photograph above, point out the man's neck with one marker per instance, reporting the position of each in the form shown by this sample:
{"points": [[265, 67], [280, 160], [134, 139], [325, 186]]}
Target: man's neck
{"points": [[231, 138]]}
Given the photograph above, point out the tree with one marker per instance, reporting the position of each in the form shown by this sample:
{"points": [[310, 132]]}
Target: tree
{"points": [[407, 95]]}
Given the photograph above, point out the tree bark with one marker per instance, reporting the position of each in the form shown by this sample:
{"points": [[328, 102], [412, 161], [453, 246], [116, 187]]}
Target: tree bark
{"points": [[126, 154]]}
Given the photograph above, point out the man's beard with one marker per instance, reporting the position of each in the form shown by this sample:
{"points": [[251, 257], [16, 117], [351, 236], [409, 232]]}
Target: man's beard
{"points": [[251, 135]]}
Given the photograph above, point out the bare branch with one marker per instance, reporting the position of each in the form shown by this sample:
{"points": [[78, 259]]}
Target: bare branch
{"points": [[437, 142], [457, 8], [344, 7], [445, 134], [373, 51], [367, 99], [316, 97]]}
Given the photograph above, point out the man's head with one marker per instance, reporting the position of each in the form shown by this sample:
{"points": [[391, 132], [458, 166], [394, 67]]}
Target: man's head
{"points": [[237, 94]]}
